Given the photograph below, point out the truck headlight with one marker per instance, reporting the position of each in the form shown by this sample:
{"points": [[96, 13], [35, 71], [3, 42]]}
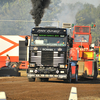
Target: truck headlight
{"points": [[32, 65], [62, 66], [61, 72], [31, 71]]}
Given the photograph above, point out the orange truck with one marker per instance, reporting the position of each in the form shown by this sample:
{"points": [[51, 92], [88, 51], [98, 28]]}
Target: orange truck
{"points": [[81, 56]]}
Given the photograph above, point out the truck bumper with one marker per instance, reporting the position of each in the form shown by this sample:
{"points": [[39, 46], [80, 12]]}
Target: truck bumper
{"points": [[60, 76]]}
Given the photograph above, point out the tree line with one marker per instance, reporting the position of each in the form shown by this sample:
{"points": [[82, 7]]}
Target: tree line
{"points": [[15, 17]]}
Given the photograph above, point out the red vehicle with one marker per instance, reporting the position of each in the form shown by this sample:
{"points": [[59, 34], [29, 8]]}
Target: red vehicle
{"points": [[82, 58]]}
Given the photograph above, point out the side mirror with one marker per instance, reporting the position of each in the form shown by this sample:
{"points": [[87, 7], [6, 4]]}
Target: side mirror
{"points": [[68, 38], [26, 41]]}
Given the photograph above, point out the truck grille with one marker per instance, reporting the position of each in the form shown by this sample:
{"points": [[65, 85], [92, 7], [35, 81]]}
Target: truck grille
{"points": [[47, 58]]}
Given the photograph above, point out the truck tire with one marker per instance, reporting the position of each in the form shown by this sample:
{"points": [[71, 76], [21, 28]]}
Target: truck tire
{"points": [[95, 71], [95, 75], [39, 79], [75, 80], [65, 80], [42, 79], [76, 74], [70, 76], [45, 79], [31, 79]]}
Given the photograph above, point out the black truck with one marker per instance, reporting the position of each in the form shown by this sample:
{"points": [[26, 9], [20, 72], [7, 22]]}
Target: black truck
{"points": [[48, 54]]}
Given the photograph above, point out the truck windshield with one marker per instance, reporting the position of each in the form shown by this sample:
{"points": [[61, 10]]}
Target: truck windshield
{"points": [[81, 38], [48, 40]]}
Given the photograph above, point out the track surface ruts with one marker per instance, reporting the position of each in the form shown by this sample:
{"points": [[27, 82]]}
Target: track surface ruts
{"points": [[18, 88]]}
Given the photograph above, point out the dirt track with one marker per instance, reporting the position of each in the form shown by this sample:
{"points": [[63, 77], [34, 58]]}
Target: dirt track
{"points": [[18, 88]]}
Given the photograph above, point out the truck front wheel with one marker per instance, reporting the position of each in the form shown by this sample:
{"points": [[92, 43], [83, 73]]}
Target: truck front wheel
{"points": [[95, 74], [95, 71], [42, 79], [70, 76], [76, 76], [45, 79], [31, 79]]}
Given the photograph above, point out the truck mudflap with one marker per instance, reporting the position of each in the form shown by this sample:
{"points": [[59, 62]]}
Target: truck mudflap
{"points": [[60, 76]]}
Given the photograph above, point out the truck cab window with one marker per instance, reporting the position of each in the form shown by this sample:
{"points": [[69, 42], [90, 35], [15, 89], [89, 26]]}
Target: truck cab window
{"points": [[48, 41], [81, 38]]}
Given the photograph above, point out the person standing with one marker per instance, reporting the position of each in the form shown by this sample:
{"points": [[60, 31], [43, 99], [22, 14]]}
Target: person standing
{"points": [[7, 60]]}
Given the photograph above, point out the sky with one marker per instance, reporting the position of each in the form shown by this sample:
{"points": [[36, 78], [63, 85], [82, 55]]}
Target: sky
{"points": [[94, 2]]}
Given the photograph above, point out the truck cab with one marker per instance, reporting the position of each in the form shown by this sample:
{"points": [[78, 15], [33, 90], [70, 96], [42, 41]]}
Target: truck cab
{"points": [[82, 40], [48, 54]]}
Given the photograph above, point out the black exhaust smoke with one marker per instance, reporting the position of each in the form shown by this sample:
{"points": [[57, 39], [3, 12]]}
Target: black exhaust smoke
{"points": [[38, 9]]}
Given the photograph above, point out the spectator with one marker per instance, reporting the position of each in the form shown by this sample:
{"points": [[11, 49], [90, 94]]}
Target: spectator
{"points": [[7, 60]]}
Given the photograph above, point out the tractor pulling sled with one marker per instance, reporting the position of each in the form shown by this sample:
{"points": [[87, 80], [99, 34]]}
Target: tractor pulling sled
{"points": [[83, 62]]}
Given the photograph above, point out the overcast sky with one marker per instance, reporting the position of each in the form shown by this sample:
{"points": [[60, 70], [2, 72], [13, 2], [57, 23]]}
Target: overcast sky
{"points": [[94, 2]]}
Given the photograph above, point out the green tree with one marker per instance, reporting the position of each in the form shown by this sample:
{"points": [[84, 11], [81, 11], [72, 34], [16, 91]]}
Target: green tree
{"points": [[87, 15], [2, 2], [20, 10], [17, 10], [90, 15]]}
